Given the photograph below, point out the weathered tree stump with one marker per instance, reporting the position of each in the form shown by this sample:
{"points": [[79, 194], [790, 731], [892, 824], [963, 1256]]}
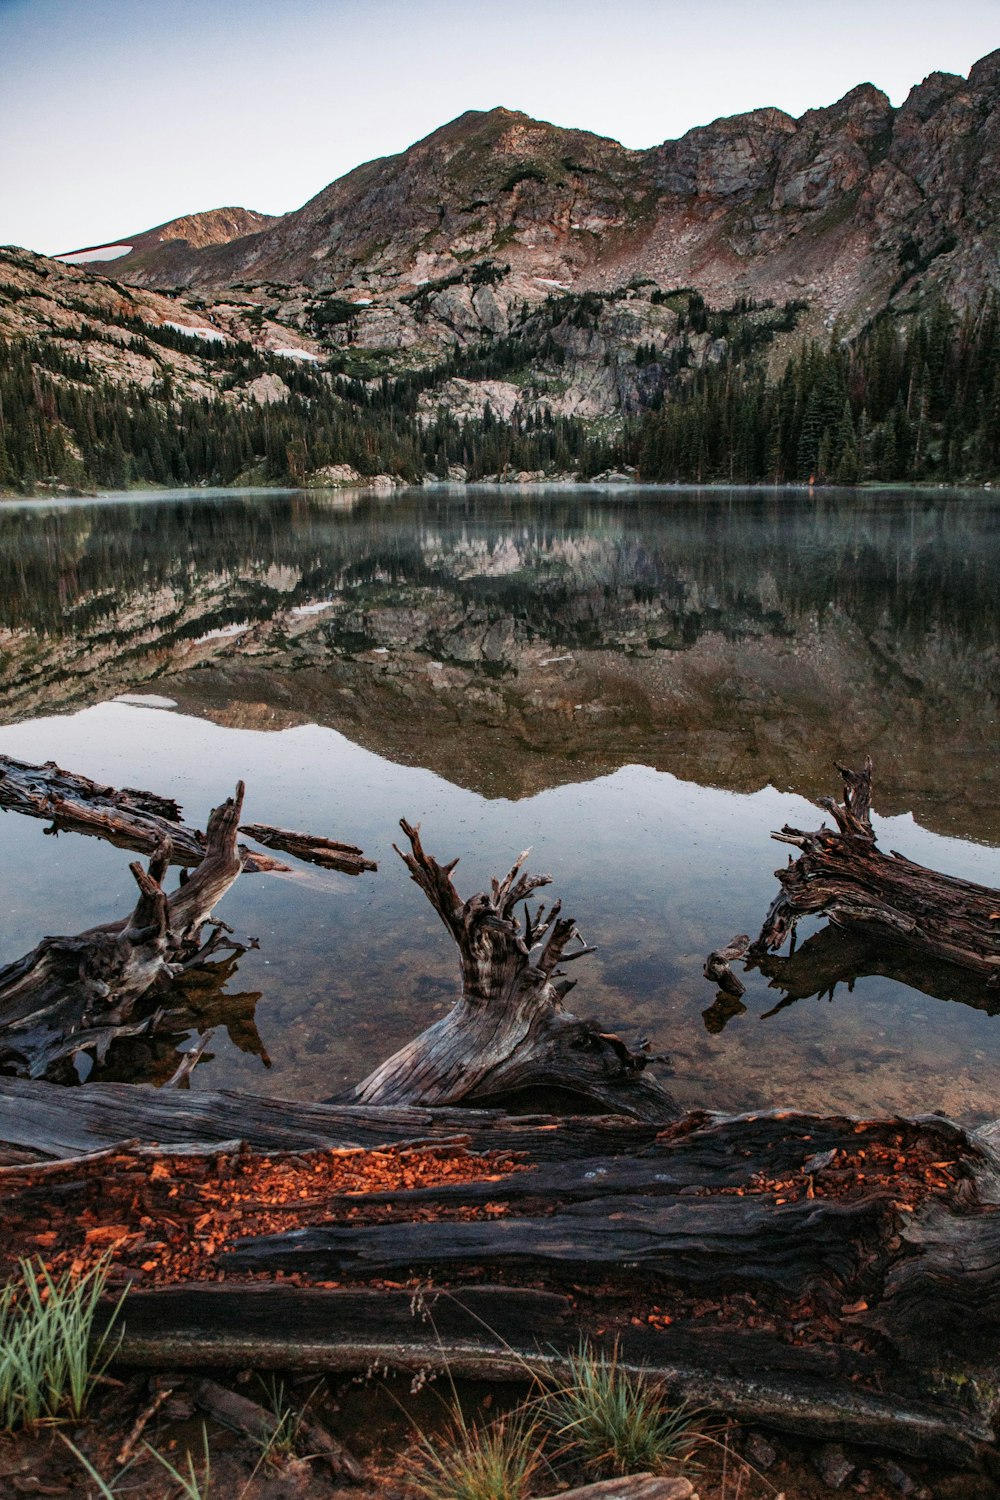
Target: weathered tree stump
{"points": [[81, 993], [509, 1033]]}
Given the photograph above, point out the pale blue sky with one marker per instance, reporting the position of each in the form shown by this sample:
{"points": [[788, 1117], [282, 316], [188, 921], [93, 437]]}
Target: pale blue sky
{"points": [[116, 115]]}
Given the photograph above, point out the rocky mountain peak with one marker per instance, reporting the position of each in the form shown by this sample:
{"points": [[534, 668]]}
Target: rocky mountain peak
{"points": [[214, 226], [927, 97], [985, 74], [850, 208]]}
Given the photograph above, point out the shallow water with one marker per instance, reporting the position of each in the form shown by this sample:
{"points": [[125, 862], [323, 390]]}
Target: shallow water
{"points": [[640, 685]]}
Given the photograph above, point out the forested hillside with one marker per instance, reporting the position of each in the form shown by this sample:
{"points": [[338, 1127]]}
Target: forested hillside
{"points": [[904, 402], [917, 403]]}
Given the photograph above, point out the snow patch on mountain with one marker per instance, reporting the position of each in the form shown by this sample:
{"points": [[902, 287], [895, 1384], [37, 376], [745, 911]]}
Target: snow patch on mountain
{"points": [[196, 331], [102, 252]]}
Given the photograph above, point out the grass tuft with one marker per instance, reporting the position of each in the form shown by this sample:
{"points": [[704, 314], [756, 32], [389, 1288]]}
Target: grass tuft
{"points": [[470, 1462], [48, 1361], [289, 1421], [618, 1421]]}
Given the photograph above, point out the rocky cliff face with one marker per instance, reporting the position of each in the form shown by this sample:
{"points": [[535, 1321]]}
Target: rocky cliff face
{"points": [[565, 257], [850, 207]]}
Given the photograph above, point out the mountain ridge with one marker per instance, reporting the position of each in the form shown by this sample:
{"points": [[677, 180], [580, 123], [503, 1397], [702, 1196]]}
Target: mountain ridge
{"points": [[855, 205], [213, 226], [763, 299]]}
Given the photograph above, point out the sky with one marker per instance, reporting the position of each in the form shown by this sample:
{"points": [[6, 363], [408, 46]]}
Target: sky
{"points": [[117, 115]]}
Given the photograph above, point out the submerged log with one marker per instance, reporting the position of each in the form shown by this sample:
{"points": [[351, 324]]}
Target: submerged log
{"points": [[79, 994], [143, 821], [509, 1034], [842, 874]]}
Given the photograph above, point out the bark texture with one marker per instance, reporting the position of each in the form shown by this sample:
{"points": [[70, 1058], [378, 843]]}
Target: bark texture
{"points": [[144, 821], [826, 1276], [81, 993]]}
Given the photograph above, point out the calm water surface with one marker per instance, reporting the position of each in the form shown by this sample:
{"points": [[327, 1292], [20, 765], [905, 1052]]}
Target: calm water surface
{"points": [[640, 685]]}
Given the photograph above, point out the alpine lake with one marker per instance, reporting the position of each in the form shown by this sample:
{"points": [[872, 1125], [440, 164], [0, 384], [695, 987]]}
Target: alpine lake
{"points": [[639, 684]]}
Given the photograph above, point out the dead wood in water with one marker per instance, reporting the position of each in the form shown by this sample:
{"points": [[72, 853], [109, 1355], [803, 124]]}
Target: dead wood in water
{"points": [[717, 966], [509, 1032], [837, 956], [329, 854], [841, 873], [81, 993], [143, 821]]}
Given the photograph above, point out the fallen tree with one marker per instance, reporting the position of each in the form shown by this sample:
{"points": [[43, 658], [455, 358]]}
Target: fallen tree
{"points": [[828, 1277], [842, 874], [825, 1276], [148, 976], [144, 821], [79, 994]]}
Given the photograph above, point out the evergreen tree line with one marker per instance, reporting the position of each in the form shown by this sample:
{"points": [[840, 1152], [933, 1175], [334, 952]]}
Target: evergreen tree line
{"points": [[896, 405], [921, 403], [62, 422]]}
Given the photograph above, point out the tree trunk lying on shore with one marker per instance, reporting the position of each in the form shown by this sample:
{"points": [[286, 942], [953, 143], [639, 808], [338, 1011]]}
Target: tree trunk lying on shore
{"points": [[842, 874], [509, 1033], [829, 1277], [143, 821]]}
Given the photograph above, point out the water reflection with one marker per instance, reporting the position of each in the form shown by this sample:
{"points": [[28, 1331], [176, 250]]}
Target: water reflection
{"points": [[515, 643], [622, 683]]}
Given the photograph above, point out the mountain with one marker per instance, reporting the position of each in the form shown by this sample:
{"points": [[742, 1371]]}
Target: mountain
{"points": [[217, 226], [852, 208], [764, 300]]}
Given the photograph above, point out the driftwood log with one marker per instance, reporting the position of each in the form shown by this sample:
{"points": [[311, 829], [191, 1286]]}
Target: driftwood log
{"points": [[78, 994], [147, 976], [144, 821], [842, 874], [829, 1277], [509, 1034]]}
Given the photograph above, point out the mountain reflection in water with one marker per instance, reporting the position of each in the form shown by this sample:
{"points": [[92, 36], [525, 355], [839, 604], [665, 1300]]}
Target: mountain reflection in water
{"points": [[620, 680]]}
